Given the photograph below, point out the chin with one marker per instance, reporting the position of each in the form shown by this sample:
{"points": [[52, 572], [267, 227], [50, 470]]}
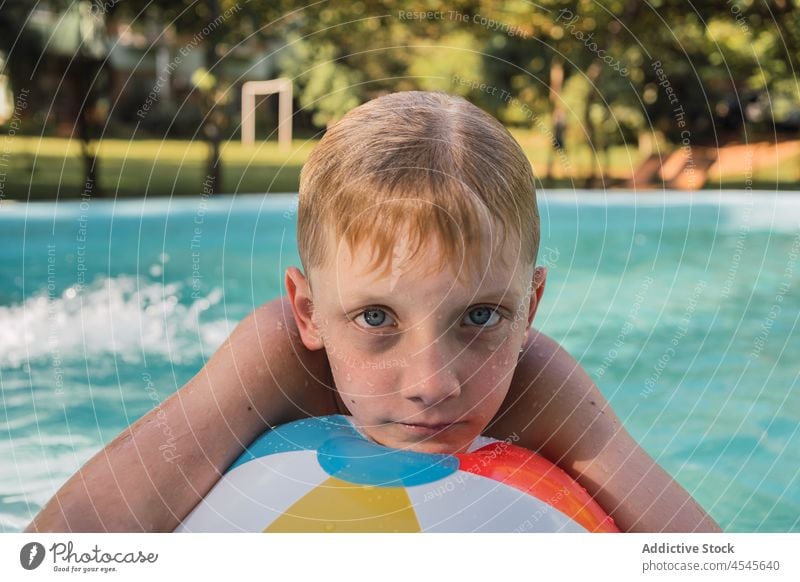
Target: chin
{"points": [[456, 442], [440, 445], [438, 448]]}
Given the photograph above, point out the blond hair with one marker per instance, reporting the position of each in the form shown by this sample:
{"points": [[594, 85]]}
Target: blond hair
{"points": [[418, 163]]}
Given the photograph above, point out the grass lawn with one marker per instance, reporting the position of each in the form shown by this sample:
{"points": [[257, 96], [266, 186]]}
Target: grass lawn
{"points": [[53, 168], [48, 168]]}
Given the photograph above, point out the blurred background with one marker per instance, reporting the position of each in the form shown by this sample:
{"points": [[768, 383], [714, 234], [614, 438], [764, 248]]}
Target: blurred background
{"points": [[149, 165], [143, 98]]}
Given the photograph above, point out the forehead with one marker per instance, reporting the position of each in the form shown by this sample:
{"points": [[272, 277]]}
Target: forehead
{"points": [[348, 275]]}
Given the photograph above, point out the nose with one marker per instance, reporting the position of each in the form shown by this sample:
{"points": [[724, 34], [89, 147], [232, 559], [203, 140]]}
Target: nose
{"points": [[431, 378]]}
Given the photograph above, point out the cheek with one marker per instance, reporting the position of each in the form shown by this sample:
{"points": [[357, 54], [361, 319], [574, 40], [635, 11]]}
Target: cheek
{"points": [[365, 384], [352, 351], [490, 376], [494, 358]]}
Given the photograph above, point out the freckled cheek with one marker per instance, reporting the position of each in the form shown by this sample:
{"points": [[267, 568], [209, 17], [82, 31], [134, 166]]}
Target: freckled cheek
{"points": [[487, 384], [485, 393], [369, 384], [494, 358], [371, 397], [493, 372]]}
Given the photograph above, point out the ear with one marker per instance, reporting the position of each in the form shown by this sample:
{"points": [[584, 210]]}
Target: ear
{"points": [[539, 279], [299, 291]]}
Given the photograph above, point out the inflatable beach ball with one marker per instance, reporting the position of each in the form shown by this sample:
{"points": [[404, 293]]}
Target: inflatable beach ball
{"points": [[322, 475]]}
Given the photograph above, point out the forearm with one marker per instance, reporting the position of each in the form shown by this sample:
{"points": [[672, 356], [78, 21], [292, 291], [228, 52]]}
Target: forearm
{"points": [[591, 444], [637, 492], [557, 410], [151, 475]]}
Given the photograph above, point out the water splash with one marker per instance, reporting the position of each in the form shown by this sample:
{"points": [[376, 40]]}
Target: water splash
{"points": [[124, 315]]}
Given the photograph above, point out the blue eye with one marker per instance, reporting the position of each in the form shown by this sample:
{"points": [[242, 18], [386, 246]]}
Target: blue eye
{"points": [[374, 317], [481, 316]]}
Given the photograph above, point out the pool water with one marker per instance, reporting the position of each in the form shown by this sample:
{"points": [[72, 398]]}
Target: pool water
{"points": [[683, 308]]}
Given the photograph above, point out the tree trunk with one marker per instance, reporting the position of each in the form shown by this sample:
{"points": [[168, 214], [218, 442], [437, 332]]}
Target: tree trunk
{"points": [[214, 166], [83, 88], [214, 118], [557, 113], [592, 74]]}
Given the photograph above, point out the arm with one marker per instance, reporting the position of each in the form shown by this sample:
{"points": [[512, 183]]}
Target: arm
{"points": [[255, 379], [557, 409]]}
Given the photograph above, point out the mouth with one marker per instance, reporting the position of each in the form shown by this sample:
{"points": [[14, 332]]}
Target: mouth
{"points": [[427, 429]]}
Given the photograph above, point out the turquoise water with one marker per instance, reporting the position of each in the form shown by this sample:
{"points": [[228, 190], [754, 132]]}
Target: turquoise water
{"points": [[683, 308]]}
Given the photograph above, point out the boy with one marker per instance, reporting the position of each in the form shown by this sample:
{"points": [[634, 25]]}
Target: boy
{"points": [[418, 232]]}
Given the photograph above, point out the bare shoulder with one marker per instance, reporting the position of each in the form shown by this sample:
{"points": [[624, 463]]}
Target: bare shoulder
{"points": [[264, 352], [550, 392]]}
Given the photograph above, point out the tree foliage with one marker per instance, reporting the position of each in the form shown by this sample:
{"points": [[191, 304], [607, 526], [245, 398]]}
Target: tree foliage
{"points": [[726, 62]]}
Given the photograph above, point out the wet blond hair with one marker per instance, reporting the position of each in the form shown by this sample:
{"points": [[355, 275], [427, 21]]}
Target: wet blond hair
{"points": [[416, 163]]}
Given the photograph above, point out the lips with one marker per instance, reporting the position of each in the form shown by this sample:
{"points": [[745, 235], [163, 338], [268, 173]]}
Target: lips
{"points": [[427, 428], [430, 424]]}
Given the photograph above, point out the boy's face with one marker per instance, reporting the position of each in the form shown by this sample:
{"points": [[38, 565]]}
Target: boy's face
{"points": [[421, 360]]}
